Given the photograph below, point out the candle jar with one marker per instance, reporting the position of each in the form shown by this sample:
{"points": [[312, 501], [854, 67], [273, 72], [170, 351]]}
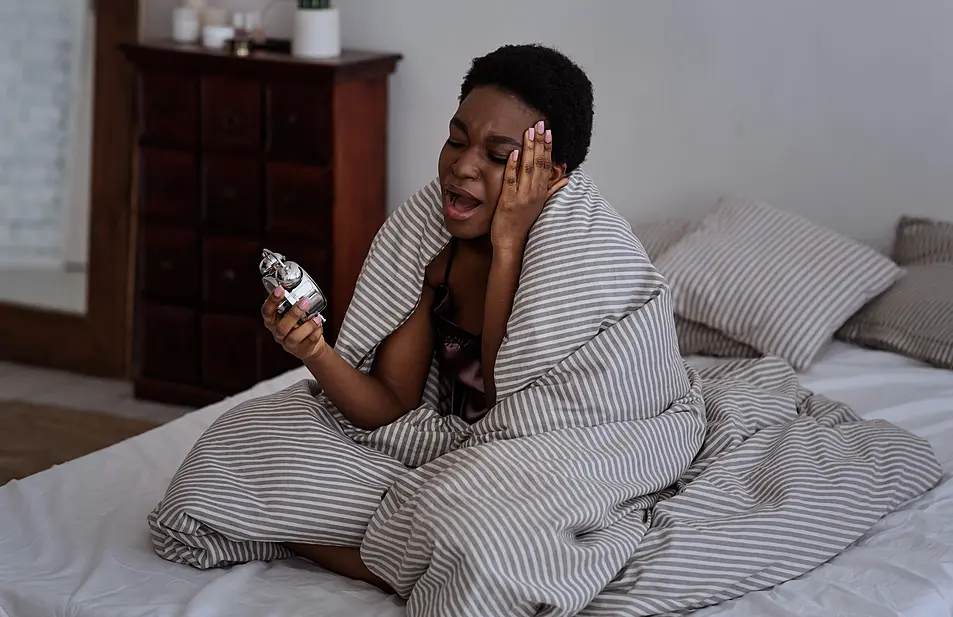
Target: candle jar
{"points": [[186, 25]]}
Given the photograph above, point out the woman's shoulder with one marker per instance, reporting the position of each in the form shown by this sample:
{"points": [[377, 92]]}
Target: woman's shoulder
{"points": [[435, 270]]}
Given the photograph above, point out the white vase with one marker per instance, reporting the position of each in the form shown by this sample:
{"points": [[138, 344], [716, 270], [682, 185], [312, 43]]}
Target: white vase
{"points": [[186, 24], [317, 33]]}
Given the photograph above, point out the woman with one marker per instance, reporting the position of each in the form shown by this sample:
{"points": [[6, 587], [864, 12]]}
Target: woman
{"points": [[595, 460], [523, 123]]}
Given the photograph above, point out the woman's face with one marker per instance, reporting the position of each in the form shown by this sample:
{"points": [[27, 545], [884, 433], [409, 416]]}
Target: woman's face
{"points": [[487, 127]]}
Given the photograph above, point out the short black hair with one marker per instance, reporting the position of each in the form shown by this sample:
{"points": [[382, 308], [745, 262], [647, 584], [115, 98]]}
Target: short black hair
{"points": [[547, 81]]}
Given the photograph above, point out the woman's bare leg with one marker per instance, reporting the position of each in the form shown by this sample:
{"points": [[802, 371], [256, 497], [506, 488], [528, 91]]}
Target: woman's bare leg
{"points": [[345, 561]]}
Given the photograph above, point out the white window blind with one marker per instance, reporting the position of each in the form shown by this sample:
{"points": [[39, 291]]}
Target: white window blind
{"points": [[42, 47]]}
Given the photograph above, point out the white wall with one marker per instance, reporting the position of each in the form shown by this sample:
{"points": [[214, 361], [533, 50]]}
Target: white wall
{"points": [[841, 111]]}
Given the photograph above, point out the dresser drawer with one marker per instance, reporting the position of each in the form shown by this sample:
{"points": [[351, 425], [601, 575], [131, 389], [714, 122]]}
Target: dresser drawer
{"points": [[230, 351], [230, 278], [169, 343], [231, 113], [170, 263], [169, 108], [231, 194], [298, 201], [299, 122], [169, 186]]}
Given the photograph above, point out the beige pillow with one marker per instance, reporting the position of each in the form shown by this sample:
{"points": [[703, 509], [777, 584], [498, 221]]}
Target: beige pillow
{"points": [[921, 240], [694, 339], [913, 318], [772, 279]]}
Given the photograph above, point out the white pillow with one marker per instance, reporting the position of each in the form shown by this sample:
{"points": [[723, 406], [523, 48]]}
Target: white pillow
{"points": [[659, 236], [694, 339], [772, 279]]}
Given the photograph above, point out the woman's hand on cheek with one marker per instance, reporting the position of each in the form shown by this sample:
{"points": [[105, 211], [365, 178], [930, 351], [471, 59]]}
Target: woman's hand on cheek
{"points": [[525, 189]]}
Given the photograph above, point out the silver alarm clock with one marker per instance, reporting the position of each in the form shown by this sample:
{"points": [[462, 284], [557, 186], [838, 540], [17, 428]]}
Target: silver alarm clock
{"points": [[276, 271]]}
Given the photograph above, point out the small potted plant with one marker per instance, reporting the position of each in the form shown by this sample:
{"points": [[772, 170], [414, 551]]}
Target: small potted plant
{"points": [[317, 30]]}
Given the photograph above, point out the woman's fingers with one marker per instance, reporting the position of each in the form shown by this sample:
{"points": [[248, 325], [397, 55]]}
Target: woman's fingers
{"points": [[528, 162], [511, 175], [290, 319], [301, 333], [314, 338], [299, 340], [269, 310], [544, 158], [529, 174]]}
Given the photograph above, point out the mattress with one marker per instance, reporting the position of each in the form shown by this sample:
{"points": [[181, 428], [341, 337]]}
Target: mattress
{"points": [[73, 539]]}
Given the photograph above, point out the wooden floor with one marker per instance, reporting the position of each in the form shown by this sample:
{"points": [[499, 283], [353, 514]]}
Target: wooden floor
{"points": [[49, 387], [36, 437]]}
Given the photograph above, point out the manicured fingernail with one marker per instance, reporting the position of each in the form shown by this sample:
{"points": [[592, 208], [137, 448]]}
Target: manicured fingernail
{"points": [[539, 127], [532, 133], [304, 303], [318, 319], [549, 136], [515, 154], [279, 291]]}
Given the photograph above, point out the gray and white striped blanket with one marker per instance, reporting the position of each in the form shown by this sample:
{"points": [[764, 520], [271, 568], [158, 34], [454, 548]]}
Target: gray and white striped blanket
{"points": [[609, 479]]}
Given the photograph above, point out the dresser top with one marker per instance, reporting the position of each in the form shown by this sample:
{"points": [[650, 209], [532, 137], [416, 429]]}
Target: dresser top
{"points": [[169, 54]]}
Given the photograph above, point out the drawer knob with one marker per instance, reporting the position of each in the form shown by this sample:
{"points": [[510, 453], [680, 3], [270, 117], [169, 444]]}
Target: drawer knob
{"points": [[230, 120], [228, 275]]}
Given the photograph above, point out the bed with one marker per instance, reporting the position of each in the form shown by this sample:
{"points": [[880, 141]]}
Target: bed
{"points": [[73, 539]]}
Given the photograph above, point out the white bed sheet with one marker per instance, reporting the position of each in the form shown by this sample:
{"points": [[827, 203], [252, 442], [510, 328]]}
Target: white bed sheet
{"points": [[73, 539]]}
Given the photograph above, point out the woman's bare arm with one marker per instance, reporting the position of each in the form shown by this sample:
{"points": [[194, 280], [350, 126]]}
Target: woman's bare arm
{"points": [[500, 291], [397, 377]]}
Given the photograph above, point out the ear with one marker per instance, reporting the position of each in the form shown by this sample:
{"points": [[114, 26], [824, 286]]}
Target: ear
{"points": [[557, 174]]}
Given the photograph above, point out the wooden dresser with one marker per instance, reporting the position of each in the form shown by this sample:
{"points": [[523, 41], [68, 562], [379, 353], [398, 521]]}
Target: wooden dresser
{"points": [[234, 155]]}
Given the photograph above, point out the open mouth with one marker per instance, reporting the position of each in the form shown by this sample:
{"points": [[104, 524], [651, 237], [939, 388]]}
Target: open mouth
{"points": [[459, 205]]}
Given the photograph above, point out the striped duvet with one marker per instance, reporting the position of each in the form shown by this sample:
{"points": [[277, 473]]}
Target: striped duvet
{"points": [[609, 479]]}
